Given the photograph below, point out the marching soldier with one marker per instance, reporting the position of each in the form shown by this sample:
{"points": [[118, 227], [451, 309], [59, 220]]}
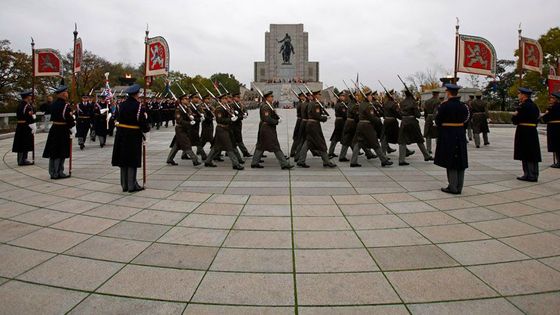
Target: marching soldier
{"points": [[84, 113], [100, 112], [451, 150], [296, 135], [183, 131], [368, 130], [57, 148], [430, 129], [349, 129], [526, 146], [315, 141], [479, 119], [391, 114], [552, 119], [131, 129], [267, 136], [409, 131], [207, 126], [237, 126], [303, 129], [340, 110], [25, 129], [223, 137], [192, 101]]}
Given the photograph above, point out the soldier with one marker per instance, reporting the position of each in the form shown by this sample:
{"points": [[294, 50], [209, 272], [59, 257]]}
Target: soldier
{"points": [[340, 110], [100, 120], [391, 114], [25, 129], [156, 113], [303, 129], [368, 130], [268, 138], [192, 101], [131, 133], [430, 129], [223, 137], [207, 126], [451, 150], [314, 140], [296, 134], [237, 126], [526, 146], [409, 131], [84, 113], [182, 141], [552, 119], [469, 124], [57, 148], [479, 120]]}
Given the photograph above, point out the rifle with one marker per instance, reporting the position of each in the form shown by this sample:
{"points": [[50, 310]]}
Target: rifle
{"points": [[262, 96], [200, 95], [378, 111], [217, 100], [234, 102], [338, 98], [319, 102], [349, 90], [406, 87]]}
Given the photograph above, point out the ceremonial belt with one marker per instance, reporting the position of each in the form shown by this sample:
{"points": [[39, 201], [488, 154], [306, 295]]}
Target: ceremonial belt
{"points": [[364, 122], [527, 124], [304, 119], [339, 118], [479, 113], [299, 118], [59, 123], [409, 116], [313, 120], [453, 124], [554, 122], [83, 117], [21, 121], [223, 126], [389, 118], [128, 126]]}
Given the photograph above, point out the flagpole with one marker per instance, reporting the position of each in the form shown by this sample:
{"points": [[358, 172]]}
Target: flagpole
{"points": [[520, 54], [33, 90], [74, 83], [456, 50], [146, 62]]}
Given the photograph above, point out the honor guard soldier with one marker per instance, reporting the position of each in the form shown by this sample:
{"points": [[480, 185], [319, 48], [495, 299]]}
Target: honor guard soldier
{"points": [[223, 136], [430, 129], [469, 125], [25, 129], [368, 130], [303, 128], [131, 129], [207, 126], [340, 111], [479, 120], [185, 120], [296, 134], [100, 119], [391, 114], [84, 114], [526, 146], [192, 101], [314, 140], [57, 148], [451, 150], [267, 137], [237, 126], [552, 119], [409, 131]]}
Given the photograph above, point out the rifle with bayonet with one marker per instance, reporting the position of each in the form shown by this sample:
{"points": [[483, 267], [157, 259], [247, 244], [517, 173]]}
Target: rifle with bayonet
{"points": [[407, 89], [316, 100], [205, 105], [377, 109]]}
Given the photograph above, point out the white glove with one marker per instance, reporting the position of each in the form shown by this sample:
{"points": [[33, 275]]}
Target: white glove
{"points": [[146, 137], [109, 116], [34, 116], [245, 115], [33, 127], [193, 122], [103, 111], [279, 120], [328, 117], [234, 118], [191, 117], [73, 130], [202, 118]]}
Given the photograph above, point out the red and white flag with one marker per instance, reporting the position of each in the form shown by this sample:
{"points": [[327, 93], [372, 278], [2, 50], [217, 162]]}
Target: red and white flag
{"points": [[475, 55], [47, 62], [78, 55], [531, 54], [157, 56]]}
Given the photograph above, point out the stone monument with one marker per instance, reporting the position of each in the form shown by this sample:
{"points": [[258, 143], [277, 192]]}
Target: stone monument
{"points": [[286, 64]]}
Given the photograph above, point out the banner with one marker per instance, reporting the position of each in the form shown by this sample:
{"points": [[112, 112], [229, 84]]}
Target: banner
{"points": [[532, 54], [78, 55], [553, 84], [476, 55], [157, 57], [48, 62]]}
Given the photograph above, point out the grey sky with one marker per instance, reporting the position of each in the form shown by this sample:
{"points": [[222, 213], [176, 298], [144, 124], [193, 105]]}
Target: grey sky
{"points": [[376, 38]]}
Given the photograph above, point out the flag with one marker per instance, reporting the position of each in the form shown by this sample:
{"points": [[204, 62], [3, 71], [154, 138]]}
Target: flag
{"points": [[551, 69], [107, 89], [157, 56], [553, 84], [47, 62], [531, 54], [475, 55], [78, 55]]}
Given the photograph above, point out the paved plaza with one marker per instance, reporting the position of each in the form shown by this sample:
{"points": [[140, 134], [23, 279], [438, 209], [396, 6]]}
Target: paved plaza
{"points": [[366, 240]]}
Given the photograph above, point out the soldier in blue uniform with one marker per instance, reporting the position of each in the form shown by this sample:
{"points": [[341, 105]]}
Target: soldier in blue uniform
{"points": [[552, 119], [84, 114], [25, 129], [451, 150], [131, 129], [100, 121], [526, 145]]}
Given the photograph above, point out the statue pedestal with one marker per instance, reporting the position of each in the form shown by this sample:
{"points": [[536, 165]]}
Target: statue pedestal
{"points": [[287, 72]]}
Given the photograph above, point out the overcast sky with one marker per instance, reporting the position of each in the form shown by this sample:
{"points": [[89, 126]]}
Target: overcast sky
{"points": [[377, 38]]}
